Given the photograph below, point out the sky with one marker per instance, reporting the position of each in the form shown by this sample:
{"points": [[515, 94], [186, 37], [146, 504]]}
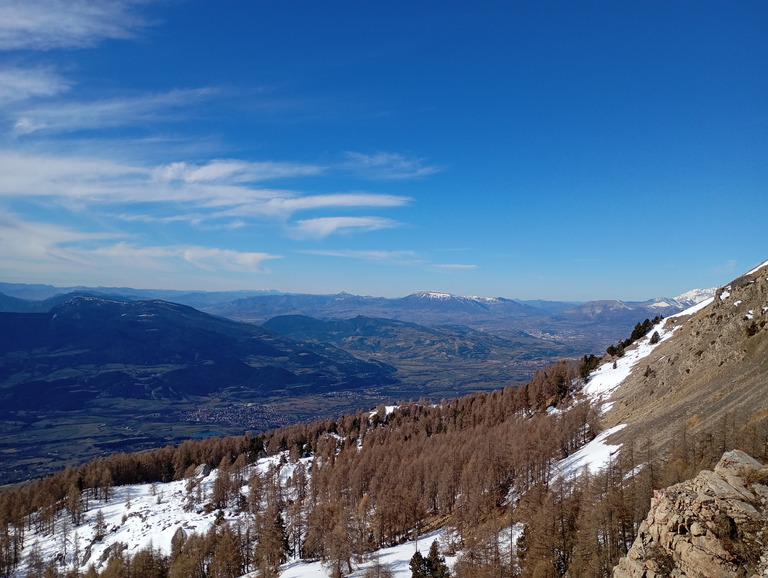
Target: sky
{"points": [[553, 150]]}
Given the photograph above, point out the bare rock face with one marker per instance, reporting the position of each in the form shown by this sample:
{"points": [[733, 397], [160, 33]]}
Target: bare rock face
{"points": [[713, 525]]}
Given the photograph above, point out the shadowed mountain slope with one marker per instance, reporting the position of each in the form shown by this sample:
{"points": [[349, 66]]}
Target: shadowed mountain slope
{"points": [[95, 374]]}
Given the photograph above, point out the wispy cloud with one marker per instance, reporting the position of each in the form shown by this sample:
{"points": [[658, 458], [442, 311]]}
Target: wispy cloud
{"points": [[216, 187], [284, 203], [207, 258], [372, 255], [324, 226], [48, 24], [233, 171], [727, 268], [386, 165], [32, 246], [18, 84], [61, 117], [454, 266]]}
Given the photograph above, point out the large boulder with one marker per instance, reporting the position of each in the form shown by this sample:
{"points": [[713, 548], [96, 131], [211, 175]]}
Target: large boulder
{"points": [[713, 525]]}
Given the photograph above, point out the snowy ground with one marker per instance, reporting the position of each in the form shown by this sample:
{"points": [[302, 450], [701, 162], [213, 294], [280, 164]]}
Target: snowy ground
{"points": [[592, 457], [136, 515], [145, 515], [397, 558]]}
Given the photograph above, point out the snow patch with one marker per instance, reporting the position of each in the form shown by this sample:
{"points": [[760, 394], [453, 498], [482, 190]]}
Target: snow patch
{"points": [[756, 269], [604, 380], [397, 558], [388, 409], [592, 457], [433, 295]]}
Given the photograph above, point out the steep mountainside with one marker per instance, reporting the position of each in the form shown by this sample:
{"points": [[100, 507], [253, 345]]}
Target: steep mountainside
{"points": [[713, 368]]}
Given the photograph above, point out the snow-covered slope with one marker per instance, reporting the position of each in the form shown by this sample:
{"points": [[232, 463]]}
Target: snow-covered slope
{"points": [[144, 516]]}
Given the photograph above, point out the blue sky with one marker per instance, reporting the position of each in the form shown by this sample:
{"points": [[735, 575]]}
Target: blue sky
{"points": [[556, 150]]}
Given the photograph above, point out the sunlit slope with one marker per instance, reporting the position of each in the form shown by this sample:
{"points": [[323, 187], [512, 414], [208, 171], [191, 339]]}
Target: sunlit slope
{"points": [[713, 370]]}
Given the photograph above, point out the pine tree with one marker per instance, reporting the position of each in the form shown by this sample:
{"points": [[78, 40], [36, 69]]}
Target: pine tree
{"points": [[273, 542], [100, 526], [418, 566], [227, 557], [436, 566]]}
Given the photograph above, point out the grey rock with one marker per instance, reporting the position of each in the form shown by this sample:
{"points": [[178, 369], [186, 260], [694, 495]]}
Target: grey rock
{"points": [[713, 525]]}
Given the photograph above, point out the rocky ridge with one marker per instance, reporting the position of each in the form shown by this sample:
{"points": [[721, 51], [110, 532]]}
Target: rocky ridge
{"points": [[713, 525]]}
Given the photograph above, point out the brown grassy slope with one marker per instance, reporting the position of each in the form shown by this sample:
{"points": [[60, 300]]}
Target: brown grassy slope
{"points": [[714, 368]]}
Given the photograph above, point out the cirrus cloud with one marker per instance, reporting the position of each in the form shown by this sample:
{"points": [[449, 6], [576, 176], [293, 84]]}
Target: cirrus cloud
{"points": [[48, 24], [324, 226], [18, 84], [454, 266], [405, 256], [386, 165], [27, 246], [215, 188]]}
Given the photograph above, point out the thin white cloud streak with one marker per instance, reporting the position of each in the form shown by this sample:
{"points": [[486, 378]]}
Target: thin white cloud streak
{"points": [[32, 247], [80, 179], [100, 114], [29, 245], [48, 24], [454, 266], [324, 226], [284, 206], [233, 171], [387, 166], [371, 255], [339, 200], [17, 84]]}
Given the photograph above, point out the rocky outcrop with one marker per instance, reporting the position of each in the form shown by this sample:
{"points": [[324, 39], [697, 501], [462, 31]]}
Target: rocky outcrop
{"points": [[713, 525]]}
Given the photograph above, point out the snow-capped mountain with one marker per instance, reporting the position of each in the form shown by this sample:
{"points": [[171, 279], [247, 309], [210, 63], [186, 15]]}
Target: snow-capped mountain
{"points": [[695, 296]]}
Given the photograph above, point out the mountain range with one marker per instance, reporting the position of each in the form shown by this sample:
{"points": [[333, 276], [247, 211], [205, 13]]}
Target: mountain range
{"points": [[585, 327]]}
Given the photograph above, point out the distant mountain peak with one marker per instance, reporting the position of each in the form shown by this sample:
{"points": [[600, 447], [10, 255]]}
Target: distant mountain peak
{"points": [[432, 295], [695, 296], [442, 296]]}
